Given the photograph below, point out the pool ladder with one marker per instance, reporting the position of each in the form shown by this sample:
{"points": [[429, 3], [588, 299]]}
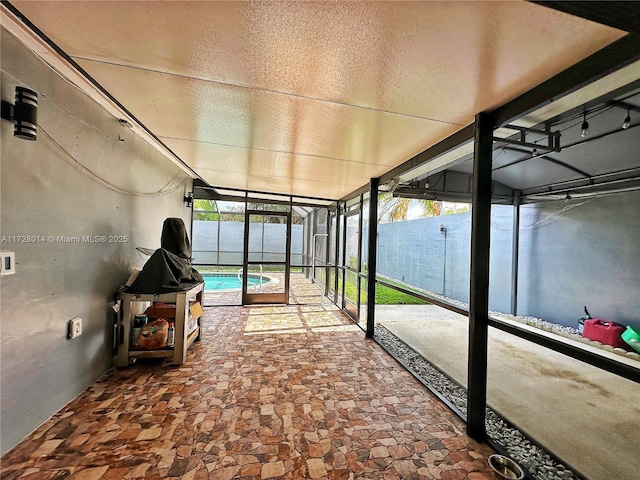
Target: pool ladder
{"points": [[259, 285]]}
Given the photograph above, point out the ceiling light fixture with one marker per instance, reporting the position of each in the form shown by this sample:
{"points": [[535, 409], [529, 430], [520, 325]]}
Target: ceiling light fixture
{"points": [[584, 126], [627, 120], [534, 153]]}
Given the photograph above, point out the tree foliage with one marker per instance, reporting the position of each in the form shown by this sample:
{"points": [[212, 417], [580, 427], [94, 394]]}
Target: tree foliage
{"points": [[396, 209], [208, 210]]}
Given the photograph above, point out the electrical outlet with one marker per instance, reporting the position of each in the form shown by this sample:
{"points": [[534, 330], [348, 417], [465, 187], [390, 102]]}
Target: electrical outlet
{"points": [[75, 327]]}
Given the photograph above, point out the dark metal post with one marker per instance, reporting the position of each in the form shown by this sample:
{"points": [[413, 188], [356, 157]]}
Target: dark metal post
{"points": [[372, 254], [218, 237], [515, 247], [245, 253], [327, 273], [287, 257], [344, 255], [359, 264], [337, 256], [479, 291], [311, 243]]}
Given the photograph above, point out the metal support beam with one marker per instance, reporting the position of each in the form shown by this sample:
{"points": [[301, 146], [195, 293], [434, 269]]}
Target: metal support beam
{"points": [[515, 247], [479, 288], [553, 138], [359, 267], [623, 15], [287, 259], [336, 260], [372, 253], [327, 272], [618, 54]]}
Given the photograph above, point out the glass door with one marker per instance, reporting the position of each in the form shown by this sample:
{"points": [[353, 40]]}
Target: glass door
{"points": [[265, 274]]}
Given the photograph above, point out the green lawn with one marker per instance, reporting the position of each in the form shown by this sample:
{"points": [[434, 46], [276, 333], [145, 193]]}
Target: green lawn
{"points": [[386, 296]]}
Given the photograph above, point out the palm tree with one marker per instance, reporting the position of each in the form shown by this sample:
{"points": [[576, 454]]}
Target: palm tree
{"points": [[397, 208], [431, 208], [208, 209]]}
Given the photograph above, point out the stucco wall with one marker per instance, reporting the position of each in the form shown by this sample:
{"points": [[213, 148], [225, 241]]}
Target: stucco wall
{"points": [[46, 193], [572, 254], [417, 252], [231, 234], [581, 252]]}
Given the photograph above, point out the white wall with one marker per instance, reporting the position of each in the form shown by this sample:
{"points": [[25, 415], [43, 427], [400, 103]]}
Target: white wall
{"points": [[47, 191]]}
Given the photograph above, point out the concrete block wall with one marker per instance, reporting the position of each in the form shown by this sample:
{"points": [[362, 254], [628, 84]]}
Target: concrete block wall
{"points": [[54, 197]]}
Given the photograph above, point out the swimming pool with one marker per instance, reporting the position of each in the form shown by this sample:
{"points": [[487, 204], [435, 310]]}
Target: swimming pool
{"points": [[216, 282]]}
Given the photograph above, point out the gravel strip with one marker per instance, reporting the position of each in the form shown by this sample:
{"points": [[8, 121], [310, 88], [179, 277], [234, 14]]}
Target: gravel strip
{"points": [[538, 462]]}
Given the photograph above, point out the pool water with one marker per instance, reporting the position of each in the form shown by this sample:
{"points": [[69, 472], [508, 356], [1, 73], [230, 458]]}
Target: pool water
{"points": [[229, 281]]}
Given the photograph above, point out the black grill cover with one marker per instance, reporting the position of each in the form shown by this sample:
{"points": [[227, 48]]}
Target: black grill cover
{"points": [[169, 268]]}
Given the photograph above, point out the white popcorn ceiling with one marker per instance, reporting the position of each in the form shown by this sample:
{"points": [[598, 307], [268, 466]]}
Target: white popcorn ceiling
{"points": [[312, 98]]}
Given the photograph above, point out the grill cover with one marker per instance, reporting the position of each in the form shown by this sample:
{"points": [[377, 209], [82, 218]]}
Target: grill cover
{"points": [[169, 268]]}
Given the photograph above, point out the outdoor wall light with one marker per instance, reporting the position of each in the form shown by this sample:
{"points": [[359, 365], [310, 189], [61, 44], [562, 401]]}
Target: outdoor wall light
{"points": [[24, 113], [584, 126], [627, 120], [188, 199]]}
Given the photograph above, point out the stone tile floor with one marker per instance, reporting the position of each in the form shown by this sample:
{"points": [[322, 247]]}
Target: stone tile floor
{"points": [[287, 392]]}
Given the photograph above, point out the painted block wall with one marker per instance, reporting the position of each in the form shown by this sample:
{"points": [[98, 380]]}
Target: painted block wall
{"points": [[581, 252], [205, 242], [418, 253], [572, 254], [46, 192]]}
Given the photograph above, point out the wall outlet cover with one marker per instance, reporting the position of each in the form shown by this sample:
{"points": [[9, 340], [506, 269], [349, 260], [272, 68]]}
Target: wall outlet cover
{"points": [[75, 327]]}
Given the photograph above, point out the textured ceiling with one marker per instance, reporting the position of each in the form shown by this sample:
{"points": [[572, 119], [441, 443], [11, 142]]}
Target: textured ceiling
{"points": [[312, 98]]}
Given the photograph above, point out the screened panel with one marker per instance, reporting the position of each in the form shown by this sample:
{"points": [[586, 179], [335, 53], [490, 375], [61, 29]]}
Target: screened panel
{"points": [[351, 287], [362, 313], [267, 238], [298, 228], [218, 233], [265, 278], [351, 241], [364, 253]]}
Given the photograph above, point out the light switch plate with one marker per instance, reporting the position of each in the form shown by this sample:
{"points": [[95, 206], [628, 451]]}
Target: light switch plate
{"points": [[7, 263]]}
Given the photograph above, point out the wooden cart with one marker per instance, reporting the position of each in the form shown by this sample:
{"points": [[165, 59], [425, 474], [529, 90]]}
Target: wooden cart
{"points": [[126, 354]]}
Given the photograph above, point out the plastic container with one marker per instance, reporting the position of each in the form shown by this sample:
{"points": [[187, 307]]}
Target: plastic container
{"points": [[604, 331], [139, 321], [632, 337]]}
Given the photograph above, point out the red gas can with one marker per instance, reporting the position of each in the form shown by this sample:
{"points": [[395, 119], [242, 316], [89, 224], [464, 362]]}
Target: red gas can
{"points": [[604, 331]]}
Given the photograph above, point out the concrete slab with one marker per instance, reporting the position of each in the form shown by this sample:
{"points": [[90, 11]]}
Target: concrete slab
{"points": [[587, 417]]}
